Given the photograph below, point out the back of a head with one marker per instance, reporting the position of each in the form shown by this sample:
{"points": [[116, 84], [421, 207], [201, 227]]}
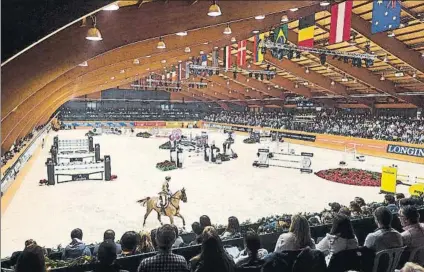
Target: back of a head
{"points": [[400, 196], [175, 230], [383, 216], [107, 252], [129, 241], [31, 260], [252, 241], [153, 237], [345, 211], [76, 233], [205, 221], [342, 227], [196, 228], [109, 235], [411, 214], [233, 224], [300, 228], [412, 267], [390, 199], [165, 237]]}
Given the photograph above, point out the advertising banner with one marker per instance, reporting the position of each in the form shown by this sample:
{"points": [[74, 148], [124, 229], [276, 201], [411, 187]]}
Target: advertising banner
{"points": [[406, 150], [150, 124], [297, 136]]}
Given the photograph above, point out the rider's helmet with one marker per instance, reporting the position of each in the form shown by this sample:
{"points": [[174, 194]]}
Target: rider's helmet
{"points": [[167, 178]]}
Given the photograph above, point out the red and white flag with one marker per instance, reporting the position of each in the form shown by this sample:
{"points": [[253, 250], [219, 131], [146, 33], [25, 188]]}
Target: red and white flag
{"points": [[227, 57], [341, 21], [241, 53]]}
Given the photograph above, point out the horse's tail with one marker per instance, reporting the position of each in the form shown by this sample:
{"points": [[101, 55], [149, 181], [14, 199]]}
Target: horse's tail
{"points": [[143, 201]]}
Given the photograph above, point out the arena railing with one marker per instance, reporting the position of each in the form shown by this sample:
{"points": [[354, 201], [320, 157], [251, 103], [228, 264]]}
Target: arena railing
{"points": [[362, 228]]}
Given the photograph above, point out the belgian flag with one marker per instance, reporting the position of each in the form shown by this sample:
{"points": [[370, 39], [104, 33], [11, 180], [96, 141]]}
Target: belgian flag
{"points": [[306, 31]]}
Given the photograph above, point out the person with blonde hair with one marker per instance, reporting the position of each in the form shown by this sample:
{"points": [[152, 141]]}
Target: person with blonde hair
{"points": [[298, 237], [411, 267], [145, 244]]}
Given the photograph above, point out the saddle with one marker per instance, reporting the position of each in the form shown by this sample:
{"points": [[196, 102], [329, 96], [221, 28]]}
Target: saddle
{"points": [[166, 202]]}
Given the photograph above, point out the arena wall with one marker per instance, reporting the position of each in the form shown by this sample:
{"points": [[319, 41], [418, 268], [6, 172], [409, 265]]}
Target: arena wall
{"points": [[134, 124], [378, 148]]}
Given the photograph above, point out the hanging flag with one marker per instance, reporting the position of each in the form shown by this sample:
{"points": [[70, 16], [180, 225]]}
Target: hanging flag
{"points": [[187, 69], [306, 31], [281, 34], [227, 57], [241, 53], [385, 15], [258, 42], [215, 62], [341, 21], [180, 72], [173, 75]]}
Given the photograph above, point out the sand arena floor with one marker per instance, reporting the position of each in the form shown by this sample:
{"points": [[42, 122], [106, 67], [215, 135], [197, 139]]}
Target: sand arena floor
{"points": [[48, 213]]}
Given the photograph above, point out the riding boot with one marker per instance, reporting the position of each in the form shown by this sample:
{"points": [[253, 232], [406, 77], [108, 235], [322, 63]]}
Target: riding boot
{"points": [[163, 210]]}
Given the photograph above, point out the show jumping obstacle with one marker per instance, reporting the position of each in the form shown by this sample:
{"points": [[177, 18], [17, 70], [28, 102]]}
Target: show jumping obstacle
{"points": [[283, 160]]}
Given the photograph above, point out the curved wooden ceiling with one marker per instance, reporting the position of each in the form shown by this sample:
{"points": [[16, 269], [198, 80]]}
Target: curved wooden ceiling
{"points": [[37, 82]]}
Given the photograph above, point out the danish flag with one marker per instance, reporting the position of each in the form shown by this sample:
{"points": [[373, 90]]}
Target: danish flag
{"points": [[241, 53]]}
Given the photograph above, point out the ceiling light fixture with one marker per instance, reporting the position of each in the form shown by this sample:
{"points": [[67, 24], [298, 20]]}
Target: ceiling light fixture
{"points": [[307, 70], [414, 75], [345, 79], [201, 52], [161, 44], [93, 34], [399, 74], [227, 30], [112, 78], [147, 69], [391, 34], [83, 64], [148, 56], [333, 83], [284, 18], [385, 58], [187, 50], [260, 17], [294, 9], [324, 3], [382, 78], [163, 61], [296, 85], [214, 10], [113, 6], [233, 40], [136, 61], [181, 34], [255, 31], [122, 71]]}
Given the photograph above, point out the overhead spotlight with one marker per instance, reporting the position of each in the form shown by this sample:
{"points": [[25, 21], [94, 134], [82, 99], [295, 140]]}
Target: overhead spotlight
{"points": [[385, 58], [163, 61], [269, 88], [161, 44], [390, 34], [345, 79], [181, 34], [227, 30], [324, 3], [229, 91], [228, 82], [414, 75], [214, 10], [323, 59], [233, 39], [93, 34], [187, 50], [382, 78], [202, 52], [255, 31], [83, 64], [294, 9], [284, 18], [247, 79], [136, 61], [112, 78], [148, 56], [111, 7], [296, 85], [260, 17], [122, 71], [399, 74], [333, 83]]}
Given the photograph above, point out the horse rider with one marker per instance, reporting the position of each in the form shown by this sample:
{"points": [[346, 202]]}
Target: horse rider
{"points": [[165, 193]]}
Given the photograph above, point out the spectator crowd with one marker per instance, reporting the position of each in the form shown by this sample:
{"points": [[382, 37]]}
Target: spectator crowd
{"points": [[390, 128], [295, 249]]}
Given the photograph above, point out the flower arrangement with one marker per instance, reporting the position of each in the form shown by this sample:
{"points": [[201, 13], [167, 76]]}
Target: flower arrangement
{"points": [[166, 145], [83, 260], [166, 166], [351, 176], [249, 141], [144, 134]]}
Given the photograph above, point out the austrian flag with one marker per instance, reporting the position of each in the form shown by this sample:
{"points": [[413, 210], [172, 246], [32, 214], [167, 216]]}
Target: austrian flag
{"points": [[341, 21]]}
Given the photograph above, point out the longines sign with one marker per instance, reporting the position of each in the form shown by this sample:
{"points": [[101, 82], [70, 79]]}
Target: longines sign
{"points": [[406, 150]]}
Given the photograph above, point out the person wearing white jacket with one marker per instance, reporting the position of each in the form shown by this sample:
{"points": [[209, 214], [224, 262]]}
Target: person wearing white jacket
{"points": [[341, 237]]}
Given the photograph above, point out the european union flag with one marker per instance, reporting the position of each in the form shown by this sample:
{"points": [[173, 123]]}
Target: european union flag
{"points": [[385, 15]]}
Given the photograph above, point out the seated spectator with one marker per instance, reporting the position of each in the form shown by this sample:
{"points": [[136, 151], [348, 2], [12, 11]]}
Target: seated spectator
{"points": [[341, 237], [145, 244], [345, 211], [129, 242], [298, 237], [198, 231], [253, 253], [76, 248], [360, 201], [232, 230], [385, 237], [390, 202], [335, 207], [205, 221], [327, 217], [206, 233], [399, 196], [31, 259], [108, 235], [413, 236], [179, 242], [106, 256], [355, 209], [153, 237], [213, 257], [164, 260], [411, 267]]}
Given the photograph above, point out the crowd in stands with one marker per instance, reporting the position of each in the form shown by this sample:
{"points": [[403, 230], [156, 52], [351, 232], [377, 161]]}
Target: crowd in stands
{"points": [[295, 249], [18, 146], [391, 128]]}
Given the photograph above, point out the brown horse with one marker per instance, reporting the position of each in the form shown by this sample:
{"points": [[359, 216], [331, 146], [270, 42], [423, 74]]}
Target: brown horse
{"points": [[173, 208]]}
